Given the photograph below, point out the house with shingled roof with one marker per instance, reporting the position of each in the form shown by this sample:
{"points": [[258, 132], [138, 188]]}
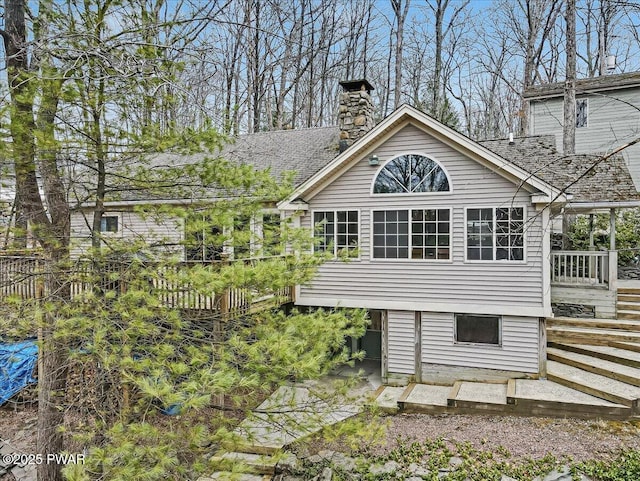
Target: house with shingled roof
{"points": [[607, 115], [448, 239]]}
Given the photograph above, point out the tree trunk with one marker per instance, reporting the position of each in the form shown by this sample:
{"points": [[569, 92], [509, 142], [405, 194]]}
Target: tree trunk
{"points": [[52, 379], [569, 130], [437, 61], [52, 235], [29, 206], [400, 11]]}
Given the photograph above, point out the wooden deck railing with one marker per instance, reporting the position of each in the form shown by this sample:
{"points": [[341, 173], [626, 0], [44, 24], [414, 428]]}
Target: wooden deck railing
{"points": [[23, 277], [582, 268]]}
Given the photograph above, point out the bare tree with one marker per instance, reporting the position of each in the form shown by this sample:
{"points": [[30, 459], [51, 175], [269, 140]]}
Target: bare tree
{"points": [[400, 11], [569, 124], [446, 28]]}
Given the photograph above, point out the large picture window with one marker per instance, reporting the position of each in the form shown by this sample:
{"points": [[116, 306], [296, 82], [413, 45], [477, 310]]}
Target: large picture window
{"points": [[414, 234], [495, 234], [411, 173], [337, 231]]}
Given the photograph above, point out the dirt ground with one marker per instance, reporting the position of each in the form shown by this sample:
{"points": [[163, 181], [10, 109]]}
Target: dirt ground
{"points": [[523, 437], [18, 428], [18, 431]]}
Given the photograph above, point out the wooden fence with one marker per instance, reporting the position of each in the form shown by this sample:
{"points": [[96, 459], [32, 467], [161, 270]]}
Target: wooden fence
{"points": [[24, 277]]}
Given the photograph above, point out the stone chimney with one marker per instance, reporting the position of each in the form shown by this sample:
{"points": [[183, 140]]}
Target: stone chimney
{"points": [[355, 116]]}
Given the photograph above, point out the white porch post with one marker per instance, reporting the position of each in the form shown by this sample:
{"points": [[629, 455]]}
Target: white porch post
{"points": [[613, 253], [612, 229]]}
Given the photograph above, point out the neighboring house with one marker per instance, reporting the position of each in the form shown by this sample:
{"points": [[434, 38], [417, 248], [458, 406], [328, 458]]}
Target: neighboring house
{"points": [[607, 115], [448, 239]]}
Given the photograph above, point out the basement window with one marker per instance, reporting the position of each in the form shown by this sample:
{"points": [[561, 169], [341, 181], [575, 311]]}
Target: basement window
{"points": [[477, 329]]}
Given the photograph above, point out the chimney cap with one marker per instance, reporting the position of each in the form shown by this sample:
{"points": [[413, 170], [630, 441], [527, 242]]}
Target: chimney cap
{"points": [[356, 85]]}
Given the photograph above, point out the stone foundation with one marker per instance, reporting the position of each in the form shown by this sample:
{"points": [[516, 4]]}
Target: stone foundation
{"points": [[629, 272], [574, 310]]}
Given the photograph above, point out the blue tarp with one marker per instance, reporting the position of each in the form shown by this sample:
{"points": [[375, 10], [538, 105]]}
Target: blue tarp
{"points": [[17, 361]]}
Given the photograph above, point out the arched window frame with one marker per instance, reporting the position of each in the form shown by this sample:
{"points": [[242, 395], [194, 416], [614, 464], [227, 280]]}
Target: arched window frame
{"points": [[403, 194]]}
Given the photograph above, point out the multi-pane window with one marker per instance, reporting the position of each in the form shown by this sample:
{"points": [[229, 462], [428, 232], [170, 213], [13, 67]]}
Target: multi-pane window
{"points": [[411, 173], [337, 231], [430, 234], [109, 223], [510, 234], [480, 234], [495, 234], [415, 234], [391, 234], [582, 113]]}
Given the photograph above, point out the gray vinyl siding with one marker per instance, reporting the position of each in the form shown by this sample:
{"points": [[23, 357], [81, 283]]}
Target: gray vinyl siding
{"points": [[613, 120], [131, 226], [456, 282], [518, 352], [401, 342]]}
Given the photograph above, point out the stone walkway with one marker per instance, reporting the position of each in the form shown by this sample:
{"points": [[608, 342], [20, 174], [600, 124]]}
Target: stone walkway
{"points": [[291, 413]]}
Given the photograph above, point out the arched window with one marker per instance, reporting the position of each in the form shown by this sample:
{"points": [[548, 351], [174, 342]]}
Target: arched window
{"points": [[411, 173]]}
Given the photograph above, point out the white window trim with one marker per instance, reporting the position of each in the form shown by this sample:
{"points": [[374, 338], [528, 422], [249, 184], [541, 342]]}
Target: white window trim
{"points": [[118, 233], [412, 194], [525, 225], [335, 244], [586, 100], [409, 259], [478, 344]]}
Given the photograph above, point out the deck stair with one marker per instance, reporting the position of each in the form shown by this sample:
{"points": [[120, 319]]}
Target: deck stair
{"points": [[599, 357], [592, 331], [628, 303]]}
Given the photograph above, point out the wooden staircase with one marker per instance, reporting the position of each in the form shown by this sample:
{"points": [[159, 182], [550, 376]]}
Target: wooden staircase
{"points": [[628, 304], [600, 357]]}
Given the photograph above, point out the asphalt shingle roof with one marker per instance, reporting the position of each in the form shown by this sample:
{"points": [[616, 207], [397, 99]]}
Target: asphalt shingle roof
{"points": [[301, 151], [306, 151], [609, 180]]}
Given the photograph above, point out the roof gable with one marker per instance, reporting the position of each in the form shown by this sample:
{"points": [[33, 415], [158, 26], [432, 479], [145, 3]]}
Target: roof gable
{"points": [[407, 115]]}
